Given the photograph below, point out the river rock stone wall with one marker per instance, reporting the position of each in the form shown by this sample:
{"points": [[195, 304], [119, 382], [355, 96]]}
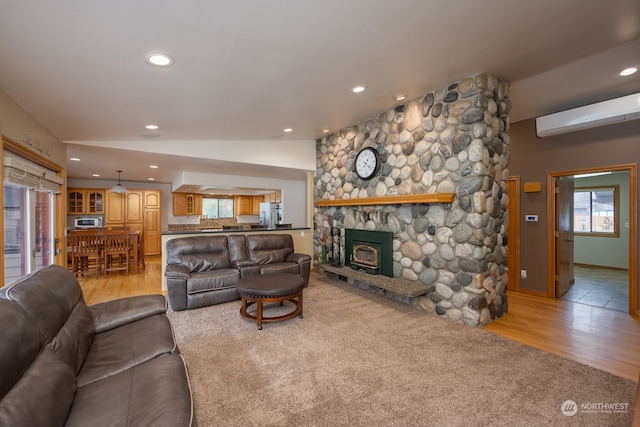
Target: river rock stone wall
{"points": [[452, 140]]}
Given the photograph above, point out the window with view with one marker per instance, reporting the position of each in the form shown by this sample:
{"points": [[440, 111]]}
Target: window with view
{"points": [[595, 211], [214, 208]]}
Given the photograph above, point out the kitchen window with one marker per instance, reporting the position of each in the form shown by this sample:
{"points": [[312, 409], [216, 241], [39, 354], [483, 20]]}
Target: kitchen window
{"points": [[217, 207]]}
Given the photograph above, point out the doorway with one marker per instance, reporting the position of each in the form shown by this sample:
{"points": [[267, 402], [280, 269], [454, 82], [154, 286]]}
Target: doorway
{"points": [[558, 239]]}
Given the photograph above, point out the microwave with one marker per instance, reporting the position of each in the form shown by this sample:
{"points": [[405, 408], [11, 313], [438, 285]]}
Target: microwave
{"points": [[87, 222]]}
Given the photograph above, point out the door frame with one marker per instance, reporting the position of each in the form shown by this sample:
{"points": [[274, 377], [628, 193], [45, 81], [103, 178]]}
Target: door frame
{"points": [[632, 169], [513, 243]]}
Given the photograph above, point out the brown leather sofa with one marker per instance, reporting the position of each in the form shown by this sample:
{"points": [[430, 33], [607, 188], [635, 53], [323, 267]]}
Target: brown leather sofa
{"points": [[65, 363], [204, 270]]}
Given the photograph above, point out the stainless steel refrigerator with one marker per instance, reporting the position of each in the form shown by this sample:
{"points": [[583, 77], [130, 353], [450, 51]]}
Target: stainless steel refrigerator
{"points": [[271, 214]]}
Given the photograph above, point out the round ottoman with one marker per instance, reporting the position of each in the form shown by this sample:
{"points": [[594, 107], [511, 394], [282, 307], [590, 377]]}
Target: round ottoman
{"points": [[271, 288]]}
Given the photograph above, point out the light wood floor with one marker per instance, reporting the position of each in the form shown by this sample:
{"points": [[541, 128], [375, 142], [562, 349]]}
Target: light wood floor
{"points": [[605, 339]]}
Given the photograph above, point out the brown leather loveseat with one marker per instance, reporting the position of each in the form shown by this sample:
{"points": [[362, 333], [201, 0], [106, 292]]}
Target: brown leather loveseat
{"points": [[204, 270], [65, 363]]}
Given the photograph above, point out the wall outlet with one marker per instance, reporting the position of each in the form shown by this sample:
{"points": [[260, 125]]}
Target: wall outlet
{"points": [[523, 274]]}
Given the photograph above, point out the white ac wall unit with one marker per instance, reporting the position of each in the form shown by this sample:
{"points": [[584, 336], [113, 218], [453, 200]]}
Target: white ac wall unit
{"points": [[602, 113]]}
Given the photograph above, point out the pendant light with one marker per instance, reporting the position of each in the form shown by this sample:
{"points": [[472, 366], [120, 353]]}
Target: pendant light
{"points": [[119, 188]]}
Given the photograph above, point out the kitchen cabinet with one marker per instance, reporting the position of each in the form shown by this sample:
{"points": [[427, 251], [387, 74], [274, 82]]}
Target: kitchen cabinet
{"points": [[151, 237], [115, 209], [83, 201], [256, 204], [151, 199], [187, 204], [125, 209], [272, 197], [140, 211], [244, 205]]}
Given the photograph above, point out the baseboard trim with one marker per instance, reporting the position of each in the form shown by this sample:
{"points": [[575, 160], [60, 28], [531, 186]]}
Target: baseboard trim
{"points": [[530, 292], [603, 267]]}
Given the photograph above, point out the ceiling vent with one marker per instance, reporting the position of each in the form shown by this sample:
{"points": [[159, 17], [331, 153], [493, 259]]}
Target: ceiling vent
{"points": [[600, 114]]}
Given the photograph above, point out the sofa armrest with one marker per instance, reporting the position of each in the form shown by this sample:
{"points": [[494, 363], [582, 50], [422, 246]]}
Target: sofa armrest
{"points": [[175, 271], [112, 314], [304, 261], [298, 258]]}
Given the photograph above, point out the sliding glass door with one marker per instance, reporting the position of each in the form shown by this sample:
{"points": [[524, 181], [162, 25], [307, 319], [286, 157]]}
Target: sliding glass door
{"points": [[28, 230]]}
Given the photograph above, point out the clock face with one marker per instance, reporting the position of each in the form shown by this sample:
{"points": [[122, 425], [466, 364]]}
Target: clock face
{"points": [[367, 163]]}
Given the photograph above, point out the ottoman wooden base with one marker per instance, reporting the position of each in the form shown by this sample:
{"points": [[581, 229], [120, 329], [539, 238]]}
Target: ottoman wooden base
{"points": [[271, 288]]}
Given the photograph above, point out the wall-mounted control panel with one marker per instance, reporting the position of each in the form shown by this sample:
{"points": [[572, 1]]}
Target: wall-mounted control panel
{"points": [[531, 218]]}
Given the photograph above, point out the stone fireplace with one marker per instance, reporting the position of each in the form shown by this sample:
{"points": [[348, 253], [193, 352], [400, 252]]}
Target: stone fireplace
{"points": [[452, 141]]}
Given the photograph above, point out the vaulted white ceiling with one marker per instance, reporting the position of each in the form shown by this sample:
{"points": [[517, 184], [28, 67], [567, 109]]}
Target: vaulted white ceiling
{"points": [[247, 70]]}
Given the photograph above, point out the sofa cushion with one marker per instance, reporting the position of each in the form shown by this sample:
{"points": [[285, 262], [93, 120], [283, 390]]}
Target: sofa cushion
{"points": [[280, 267], [200, 253], [214, 279], [155, 393], [269, 249], [129, 345]]}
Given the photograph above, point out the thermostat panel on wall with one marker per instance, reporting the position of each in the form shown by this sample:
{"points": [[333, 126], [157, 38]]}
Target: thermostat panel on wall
{"points": [[533, 218]]}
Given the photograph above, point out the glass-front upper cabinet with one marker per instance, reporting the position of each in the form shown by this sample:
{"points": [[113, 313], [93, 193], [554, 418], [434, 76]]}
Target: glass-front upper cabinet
{"points": [[85, 201]]}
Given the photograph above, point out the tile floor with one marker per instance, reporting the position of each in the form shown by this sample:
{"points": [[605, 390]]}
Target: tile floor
{"points": [[600, 287]]}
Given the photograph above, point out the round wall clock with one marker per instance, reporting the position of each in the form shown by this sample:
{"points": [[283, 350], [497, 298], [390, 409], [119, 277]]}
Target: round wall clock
{"points": [[367, 163]]}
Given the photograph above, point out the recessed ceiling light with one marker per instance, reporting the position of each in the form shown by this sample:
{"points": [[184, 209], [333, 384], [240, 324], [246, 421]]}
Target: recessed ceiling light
{"points": [[159, 59], [287, 130], [400, 97], [151, 127], [325, 130], [153, 166], [95, 174], [75, 159], [628, 71], [358, 89], [151, 179]]}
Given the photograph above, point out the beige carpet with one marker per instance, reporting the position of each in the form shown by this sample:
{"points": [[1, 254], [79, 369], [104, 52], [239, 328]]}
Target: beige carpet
{"points": [[358, 359]]}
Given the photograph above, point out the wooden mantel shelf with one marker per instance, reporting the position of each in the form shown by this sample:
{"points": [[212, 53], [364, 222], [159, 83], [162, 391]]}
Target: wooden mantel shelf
{"points": [[391, 200]]}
